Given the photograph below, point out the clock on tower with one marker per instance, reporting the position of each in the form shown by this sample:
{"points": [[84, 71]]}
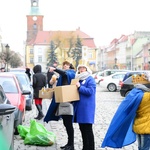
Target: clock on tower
{"points": [[34, 21], [34, 18]]}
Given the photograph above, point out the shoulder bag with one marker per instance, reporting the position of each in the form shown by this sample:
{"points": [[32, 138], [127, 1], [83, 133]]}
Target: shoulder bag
{"points": [[64, 109]]}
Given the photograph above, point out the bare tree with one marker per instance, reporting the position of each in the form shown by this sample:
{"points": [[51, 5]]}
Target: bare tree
{"points": [[15, 61], [10, 58]]}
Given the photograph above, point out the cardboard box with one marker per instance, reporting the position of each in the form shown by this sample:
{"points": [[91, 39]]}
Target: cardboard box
{"points": [[46, 93], [67, 93]]}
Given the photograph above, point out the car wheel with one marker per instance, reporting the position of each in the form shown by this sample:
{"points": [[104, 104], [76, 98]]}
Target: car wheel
{"points": [[127, 93], [111, 87], [21, 119]]}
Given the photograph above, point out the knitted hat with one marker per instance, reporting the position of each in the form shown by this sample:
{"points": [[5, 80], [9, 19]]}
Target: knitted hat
{"points": [[87, 68]]}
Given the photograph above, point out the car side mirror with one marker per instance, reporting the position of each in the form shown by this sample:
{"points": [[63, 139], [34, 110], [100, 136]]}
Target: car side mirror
{"points": [[6, 109]]}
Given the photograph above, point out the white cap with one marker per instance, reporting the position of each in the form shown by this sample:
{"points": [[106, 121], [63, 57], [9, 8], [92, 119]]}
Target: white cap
{"points": [[87, 68]]}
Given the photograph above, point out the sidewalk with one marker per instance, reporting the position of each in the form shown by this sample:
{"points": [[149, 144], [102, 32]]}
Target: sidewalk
{"points": [[107, 103]]}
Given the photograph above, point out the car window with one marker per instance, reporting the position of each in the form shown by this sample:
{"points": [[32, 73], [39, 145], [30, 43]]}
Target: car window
{"points": [[9, 85], [118, 76], [22, 79], [2, 97], [101, 74]]}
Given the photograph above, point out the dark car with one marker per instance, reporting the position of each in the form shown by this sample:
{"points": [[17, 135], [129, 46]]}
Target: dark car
{"points": [[127, 84], [6, 122]]}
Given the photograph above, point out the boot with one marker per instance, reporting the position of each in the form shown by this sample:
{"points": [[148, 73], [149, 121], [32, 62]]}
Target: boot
{"points": [[41, 115], [62, 147], [38, 113], [69, 148]]}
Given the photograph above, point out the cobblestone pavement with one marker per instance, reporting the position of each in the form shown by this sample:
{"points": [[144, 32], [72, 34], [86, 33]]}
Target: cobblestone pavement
{"points": [[107, 103]]}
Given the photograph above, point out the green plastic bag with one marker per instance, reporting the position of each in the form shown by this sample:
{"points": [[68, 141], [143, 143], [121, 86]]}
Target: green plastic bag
{"points": [[38, 135], [23, 130]]}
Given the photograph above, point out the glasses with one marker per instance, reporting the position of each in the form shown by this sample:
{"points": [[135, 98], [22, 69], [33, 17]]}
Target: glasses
{"points": [[82, 67]]}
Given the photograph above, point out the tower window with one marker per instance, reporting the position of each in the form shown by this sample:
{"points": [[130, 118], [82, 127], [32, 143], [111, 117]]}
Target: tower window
{"points": [[34, 3], [34, 26]]}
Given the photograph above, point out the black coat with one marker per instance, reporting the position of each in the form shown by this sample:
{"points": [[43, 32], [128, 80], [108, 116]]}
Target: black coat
{"points": [[49, 76], [39, 80]]}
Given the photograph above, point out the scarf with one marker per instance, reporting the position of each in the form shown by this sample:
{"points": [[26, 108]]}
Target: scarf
{"points": [[83, 75]]}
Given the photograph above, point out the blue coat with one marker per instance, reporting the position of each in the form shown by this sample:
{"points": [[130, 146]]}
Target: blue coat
{"points": [[84, 109], [120, 131], [50, 115]]}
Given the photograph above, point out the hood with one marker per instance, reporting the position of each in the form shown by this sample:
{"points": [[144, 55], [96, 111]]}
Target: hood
{"points": [[37, 69]]}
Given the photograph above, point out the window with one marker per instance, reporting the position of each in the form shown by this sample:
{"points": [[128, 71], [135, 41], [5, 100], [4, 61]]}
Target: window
{"points": [[31, 60], [39, 59], [39, 51], [31, 51], [90, 55]]}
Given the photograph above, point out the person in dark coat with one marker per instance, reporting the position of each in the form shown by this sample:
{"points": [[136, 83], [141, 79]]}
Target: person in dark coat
{"points": [[66, 75], [28, 73], [39, 81], [84, 109]]}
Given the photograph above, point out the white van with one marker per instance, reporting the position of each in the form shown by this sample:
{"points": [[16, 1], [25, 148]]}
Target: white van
{"points": [[105, 73]]}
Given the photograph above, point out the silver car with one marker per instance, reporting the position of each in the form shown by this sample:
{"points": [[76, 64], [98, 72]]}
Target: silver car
{"points": [[6, 122]]}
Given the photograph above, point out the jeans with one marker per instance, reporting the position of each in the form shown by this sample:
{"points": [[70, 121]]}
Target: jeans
{"points": [[143, 141]]}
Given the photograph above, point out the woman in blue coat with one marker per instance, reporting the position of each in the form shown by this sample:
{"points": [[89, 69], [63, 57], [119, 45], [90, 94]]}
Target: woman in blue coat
{"points": [[84, 109]]}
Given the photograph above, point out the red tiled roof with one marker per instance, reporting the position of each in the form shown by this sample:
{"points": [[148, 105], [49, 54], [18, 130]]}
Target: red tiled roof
{"points": [[44, 37], [123, 38]]}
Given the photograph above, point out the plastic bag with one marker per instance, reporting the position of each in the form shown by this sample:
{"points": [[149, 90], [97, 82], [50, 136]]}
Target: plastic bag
{"points": [[38, 135], [23, 130]]}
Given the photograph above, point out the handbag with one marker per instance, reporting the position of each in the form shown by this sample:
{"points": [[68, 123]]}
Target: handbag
{"points": [[64, 109]]}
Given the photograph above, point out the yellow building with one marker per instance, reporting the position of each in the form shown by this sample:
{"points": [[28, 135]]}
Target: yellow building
{"points": [[38, 42]]}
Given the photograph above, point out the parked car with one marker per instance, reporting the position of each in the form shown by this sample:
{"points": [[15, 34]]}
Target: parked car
{"points": [[99, 76], [6, 122], [16, 96], [22, 70], [127, 84], [111, 82], [25, 84]]}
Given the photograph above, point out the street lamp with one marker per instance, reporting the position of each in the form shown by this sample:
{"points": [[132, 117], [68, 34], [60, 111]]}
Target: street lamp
{"points": [[115, 61], [7, 47], [7, 53], [115, 66]]}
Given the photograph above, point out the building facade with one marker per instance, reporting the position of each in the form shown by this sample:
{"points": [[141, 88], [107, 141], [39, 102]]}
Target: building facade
{"points": [[38, 42]]}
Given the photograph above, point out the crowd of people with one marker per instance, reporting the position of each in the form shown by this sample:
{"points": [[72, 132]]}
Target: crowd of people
{"points": [[130, 122], [87, 91]]}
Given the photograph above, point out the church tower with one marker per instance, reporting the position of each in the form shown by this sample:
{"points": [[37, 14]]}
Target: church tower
{"points": [[34, 21]]}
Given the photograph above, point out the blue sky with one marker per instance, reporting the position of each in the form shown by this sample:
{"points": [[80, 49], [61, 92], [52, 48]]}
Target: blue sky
{"points": [[103, 20]]}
